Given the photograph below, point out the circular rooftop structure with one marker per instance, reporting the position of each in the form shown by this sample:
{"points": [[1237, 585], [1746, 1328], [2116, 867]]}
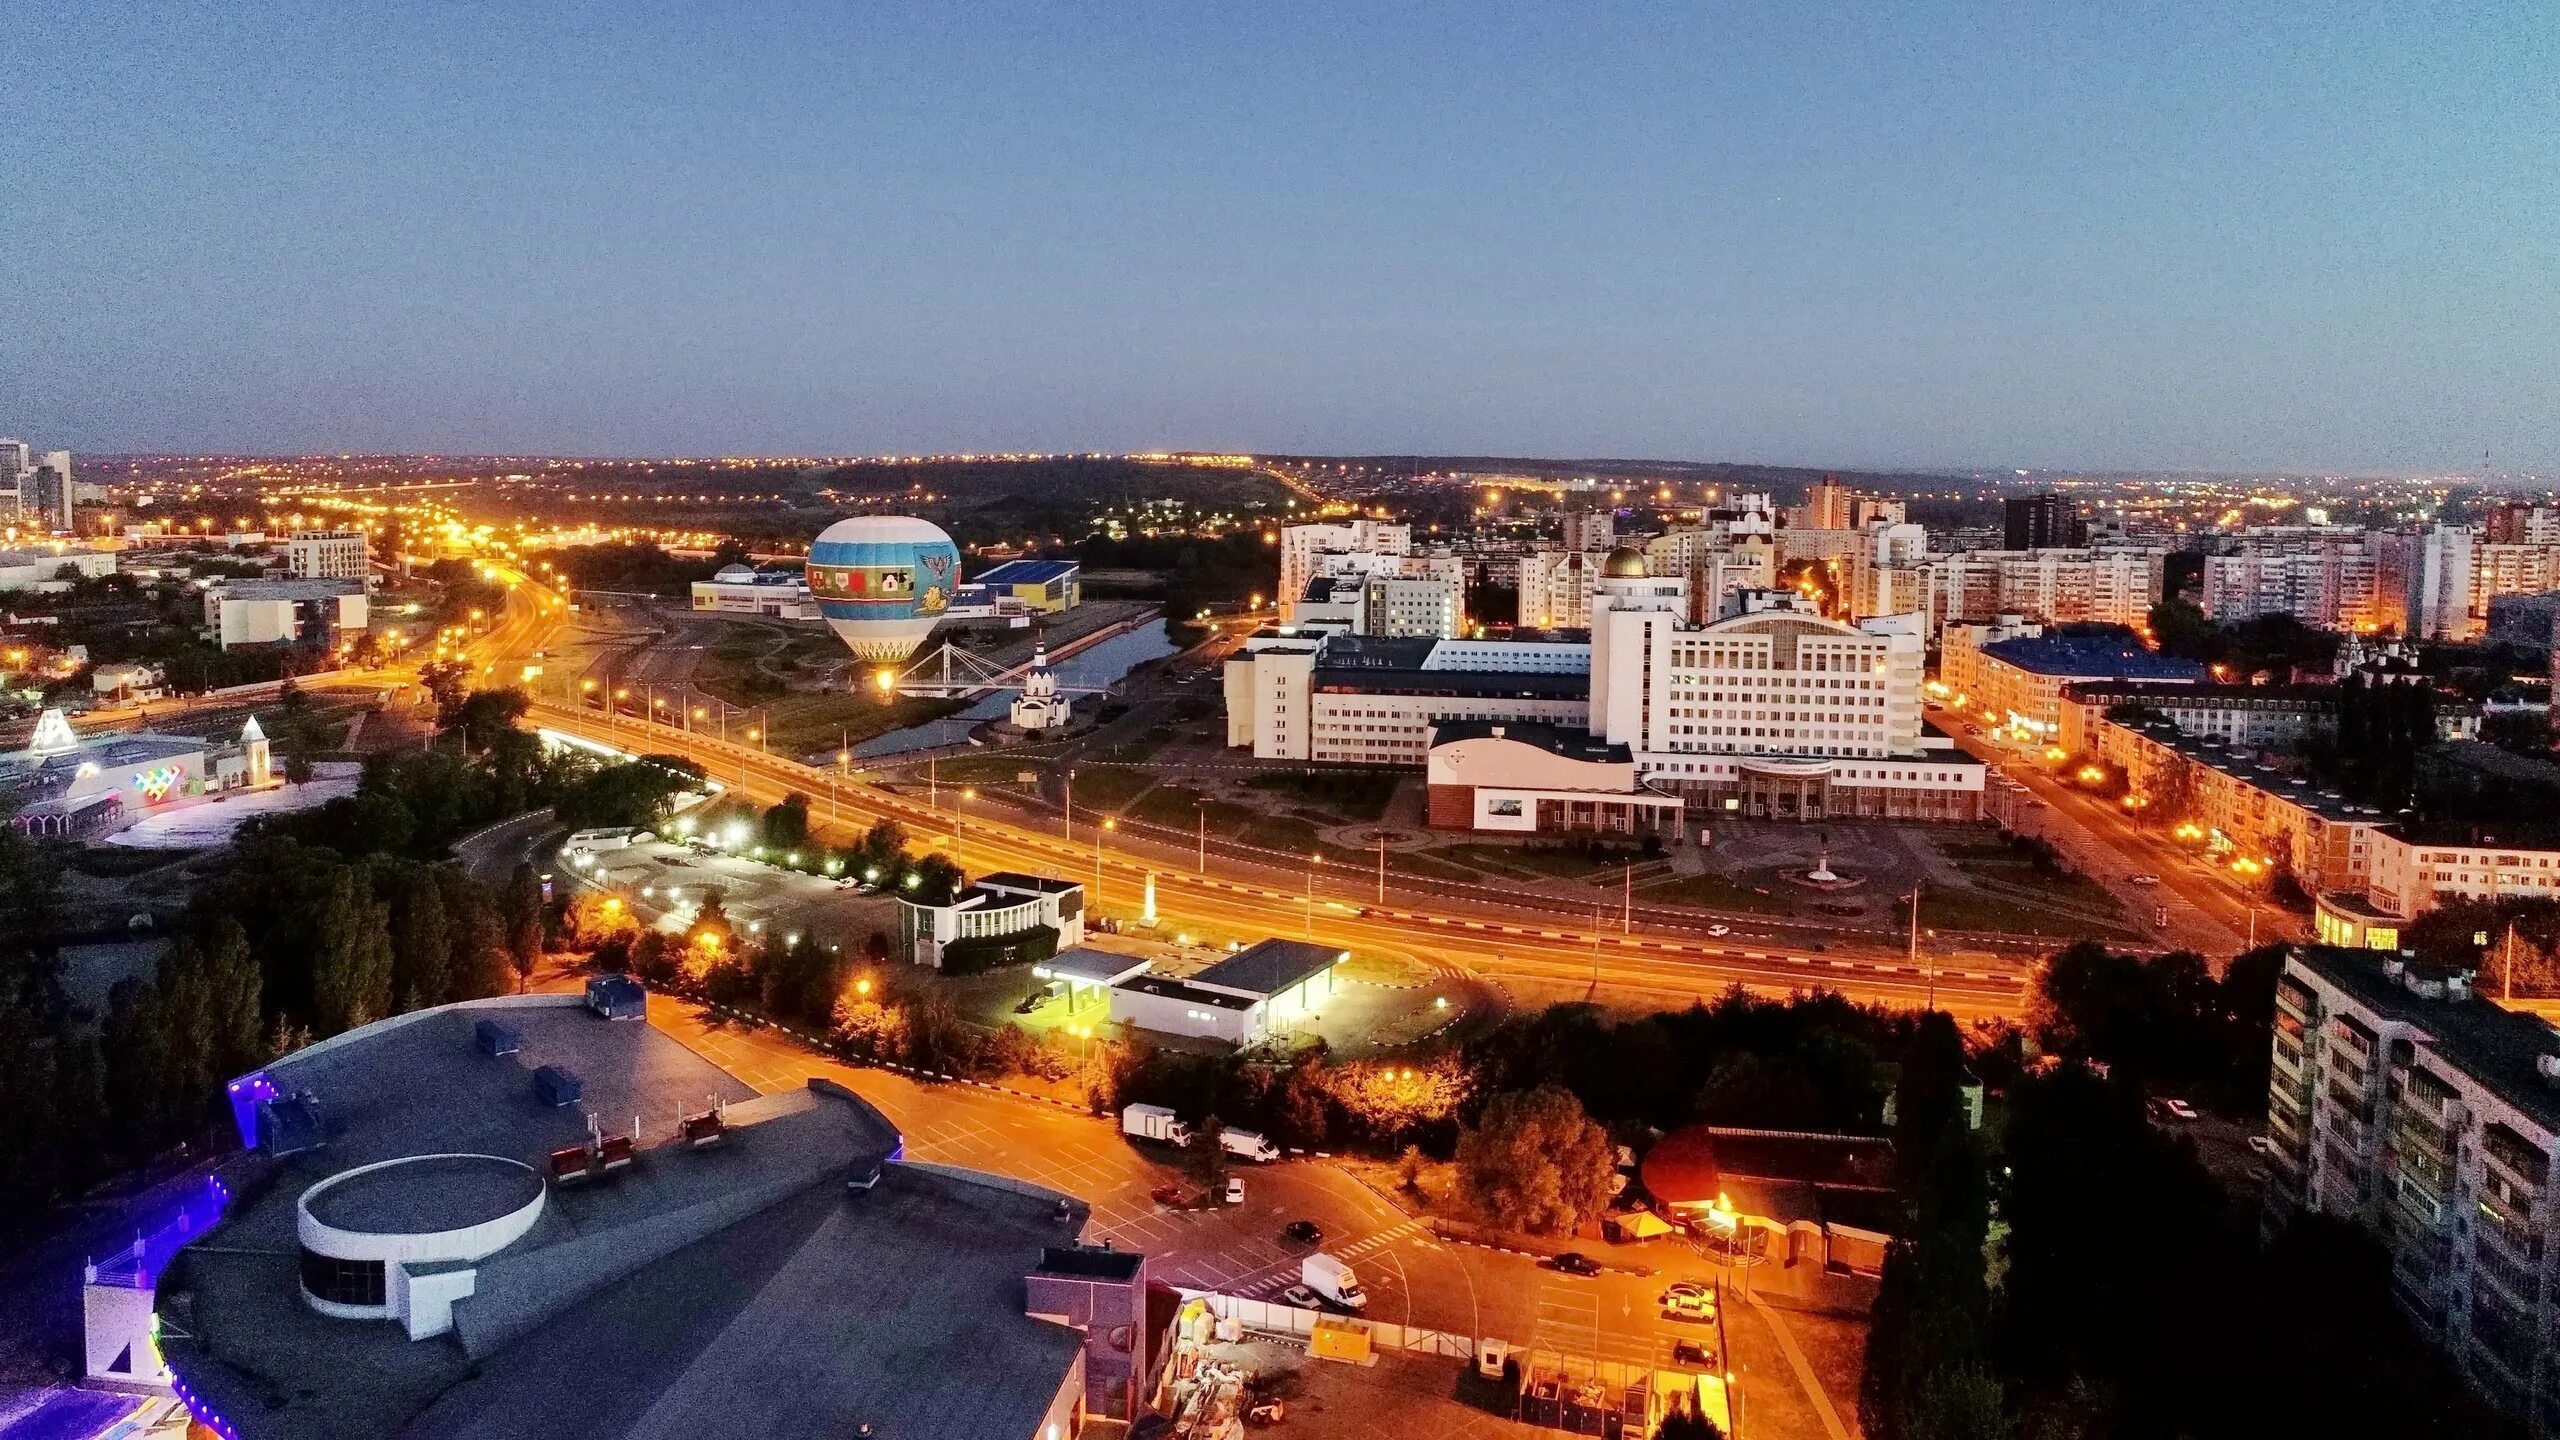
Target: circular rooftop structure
{"points": [[735, 575], [1624, 563], [396, 1238], [427, 1195]]}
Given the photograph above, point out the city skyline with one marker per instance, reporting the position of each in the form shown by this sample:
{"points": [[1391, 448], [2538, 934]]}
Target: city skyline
{"points": [[1937, 241]]}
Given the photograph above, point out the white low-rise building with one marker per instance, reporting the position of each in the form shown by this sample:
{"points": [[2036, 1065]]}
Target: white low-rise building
{"points": [[1259, 992], [1542, 780], [284, 612], [997, 907], [745, 590]]}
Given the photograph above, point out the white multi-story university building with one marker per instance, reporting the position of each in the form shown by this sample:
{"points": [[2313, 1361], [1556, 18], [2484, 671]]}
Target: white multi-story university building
{"points": [[1771, 711], [2402, 1101], [327, 555], [1296, 694]]}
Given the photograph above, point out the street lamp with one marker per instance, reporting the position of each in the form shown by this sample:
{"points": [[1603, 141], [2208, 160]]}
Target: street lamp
{"points": [[959, 808], [1108, 825], [1313, 860]]}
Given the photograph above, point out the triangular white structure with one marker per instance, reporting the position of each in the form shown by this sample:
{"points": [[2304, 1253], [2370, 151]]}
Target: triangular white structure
{"points": [[53, 737]]}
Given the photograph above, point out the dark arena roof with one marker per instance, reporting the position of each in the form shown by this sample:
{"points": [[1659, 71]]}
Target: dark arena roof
{"points": [[737, 1288]]}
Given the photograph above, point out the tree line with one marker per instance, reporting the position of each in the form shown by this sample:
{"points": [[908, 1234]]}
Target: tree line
{"points": [[2076, 1272], [311, 924]]}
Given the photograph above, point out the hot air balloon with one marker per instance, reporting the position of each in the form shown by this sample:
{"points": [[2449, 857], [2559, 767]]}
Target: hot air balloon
{"points": [[882, 581]]}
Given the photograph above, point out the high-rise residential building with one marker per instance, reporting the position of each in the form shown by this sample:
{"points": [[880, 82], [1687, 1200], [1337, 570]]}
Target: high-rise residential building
{"points": [[2331, 582], [2403, 1101], [16, 459], [2043, 522], [1302, 546], [2061, 587], [45, 493], [1827, 504], [327, 555], [1590, 530], [2514, 524], [1555, 588], [2440, 588]]}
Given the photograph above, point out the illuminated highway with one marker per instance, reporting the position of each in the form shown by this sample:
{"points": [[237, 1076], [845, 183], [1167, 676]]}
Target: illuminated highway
{"points": [[1645, 966]]}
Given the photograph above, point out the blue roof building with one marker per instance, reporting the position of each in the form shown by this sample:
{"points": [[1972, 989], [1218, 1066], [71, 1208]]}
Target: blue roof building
{"points": [[1047, 586]]}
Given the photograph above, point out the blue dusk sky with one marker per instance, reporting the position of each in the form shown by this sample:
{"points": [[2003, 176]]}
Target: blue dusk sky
{"points": [[1928, 234]]}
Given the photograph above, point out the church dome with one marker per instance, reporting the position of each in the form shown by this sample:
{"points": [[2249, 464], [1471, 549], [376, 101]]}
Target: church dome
{"points": [[1624, 563]]}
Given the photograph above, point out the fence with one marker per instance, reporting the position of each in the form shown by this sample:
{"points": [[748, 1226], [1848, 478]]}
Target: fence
{"points": [[1271, 1317]]}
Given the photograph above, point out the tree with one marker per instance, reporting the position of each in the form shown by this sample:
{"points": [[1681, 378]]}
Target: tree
{"points": [[786, 825], [421, 940], [485, 715], [1534, 1161], [1932, 1311], [1208, 1156], [1685, 1423], [520, 919], [2181, 628], [351, 957], [447, 683]]}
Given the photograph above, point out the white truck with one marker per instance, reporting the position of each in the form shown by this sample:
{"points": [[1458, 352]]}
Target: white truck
{"points": [[1155, 1122], [1333, 1280], [1248, 1145]]}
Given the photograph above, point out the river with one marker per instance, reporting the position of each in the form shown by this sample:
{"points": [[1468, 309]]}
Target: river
{"points": [[1090, 669]]}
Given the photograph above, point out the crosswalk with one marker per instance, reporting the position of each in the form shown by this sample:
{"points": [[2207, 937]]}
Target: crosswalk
{"points": [[1282, 1274]]}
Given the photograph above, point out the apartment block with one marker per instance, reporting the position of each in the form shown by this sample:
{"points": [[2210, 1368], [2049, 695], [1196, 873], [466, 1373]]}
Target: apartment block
{"points": [[2402, 1101]]}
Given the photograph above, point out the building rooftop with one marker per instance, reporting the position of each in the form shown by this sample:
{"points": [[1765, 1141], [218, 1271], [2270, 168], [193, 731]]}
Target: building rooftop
{"points": [[1036, 884], [1270, 966], [730, 1290], [2083, 658], [1554, 739], [287, 589], [1091, 966], [1028, 572], [2481, 834], [2498, 1047], [2179, 693], [1172, 989], [2293, 789]]}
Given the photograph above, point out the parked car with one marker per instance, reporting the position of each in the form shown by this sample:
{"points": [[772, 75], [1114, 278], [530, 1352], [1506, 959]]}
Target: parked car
{"points": [[1302, 1297], [2142, 879], [1235, 1189], [1304, 1232], [1719, 930], [1031, 1002], [1169, 1196], [1574, 1262], [2262, 1145], [1689, 1300], [2177, 1109], [1692, 1353]]}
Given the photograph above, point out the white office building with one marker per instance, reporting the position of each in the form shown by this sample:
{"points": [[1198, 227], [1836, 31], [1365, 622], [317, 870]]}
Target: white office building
{"points": [[328, 555], [1770, 711], [1298, 694], [1303, 548]]}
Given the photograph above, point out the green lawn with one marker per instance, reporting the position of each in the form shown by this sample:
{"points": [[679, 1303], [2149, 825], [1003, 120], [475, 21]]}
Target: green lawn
{"points": [[1715, 892], [1989, 911]]}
